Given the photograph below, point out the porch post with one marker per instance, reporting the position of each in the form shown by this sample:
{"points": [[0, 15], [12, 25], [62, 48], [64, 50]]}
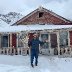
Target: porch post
{"points": [[69, 42], [49, 44], [10, 39], [68, 38], [58, 42], [17, 40], [0, 40], [10, 43], [17, 43]]}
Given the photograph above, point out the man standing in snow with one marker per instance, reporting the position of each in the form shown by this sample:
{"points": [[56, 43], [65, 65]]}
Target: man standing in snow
{"points": [[34, 48]]}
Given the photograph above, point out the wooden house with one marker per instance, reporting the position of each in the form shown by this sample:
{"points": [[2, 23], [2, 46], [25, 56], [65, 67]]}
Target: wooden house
{"points": [[59, 37]]}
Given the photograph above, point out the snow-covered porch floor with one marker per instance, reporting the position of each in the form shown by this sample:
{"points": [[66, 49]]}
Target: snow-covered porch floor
{"points": [[46, 64]]}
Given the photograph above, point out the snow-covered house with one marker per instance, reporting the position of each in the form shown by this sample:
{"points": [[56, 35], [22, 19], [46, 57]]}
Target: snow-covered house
{"points": [[56, 29]]}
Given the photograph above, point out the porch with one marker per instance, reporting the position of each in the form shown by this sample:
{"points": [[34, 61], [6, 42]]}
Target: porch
{"points": [[16, 43], [56, 45]]}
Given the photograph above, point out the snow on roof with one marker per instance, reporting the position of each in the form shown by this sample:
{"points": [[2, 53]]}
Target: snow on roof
{"points": [[32, 27]]}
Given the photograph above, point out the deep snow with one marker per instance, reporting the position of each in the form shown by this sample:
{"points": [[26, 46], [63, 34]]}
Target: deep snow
{"points": [[46, 64], [33, 27]]}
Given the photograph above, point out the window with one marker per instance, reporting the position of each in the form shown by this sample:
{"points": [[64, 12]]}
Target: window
{"points": [[5, 41], [43, 38], [22, 40], [40, 14], [63, 39]]}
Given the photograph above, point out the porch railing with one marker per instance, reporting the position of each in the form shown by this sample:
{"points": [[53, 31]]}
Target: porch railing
{"points": [[14, 51], [25, 51]]}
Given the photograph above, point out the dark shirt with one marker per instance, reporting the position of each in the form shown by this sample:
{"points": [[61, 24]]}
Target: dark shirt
{"points": [[34, 44]]}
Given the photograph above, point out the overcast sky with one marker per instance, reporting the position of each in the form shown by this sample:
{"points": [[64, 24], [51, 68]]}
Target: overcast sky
{"points": [[61, 7]]}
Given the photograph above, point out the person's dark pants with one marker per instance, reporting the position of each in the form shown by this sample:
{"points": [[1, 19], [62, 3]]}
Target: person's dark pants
{"points": [[34, 54]]}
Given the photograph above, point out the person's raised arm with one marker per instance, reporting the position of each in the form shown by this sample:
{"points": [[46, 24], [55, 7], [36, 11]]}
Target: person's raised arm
{"points": [[42, 42]]}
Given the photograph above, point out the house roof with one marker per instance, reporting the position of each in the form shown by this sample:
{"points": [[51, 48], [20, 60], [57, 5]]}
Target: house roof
{"points": [[42, 9]]}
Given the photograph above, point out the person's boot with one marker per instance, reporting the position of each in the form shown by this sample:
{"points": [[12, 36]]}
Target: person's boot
{"points": [[32, 65], [36, 64]]}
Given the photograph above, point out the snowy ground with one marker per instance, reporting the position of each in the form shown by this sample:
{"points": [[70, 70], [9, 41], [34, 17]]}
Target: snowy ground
{"points": [[46, 64]]}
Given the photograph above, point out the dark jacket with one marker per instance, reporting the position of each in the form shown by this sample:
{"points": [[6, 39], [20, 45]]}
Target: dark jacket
{"points": [[34, 44]]}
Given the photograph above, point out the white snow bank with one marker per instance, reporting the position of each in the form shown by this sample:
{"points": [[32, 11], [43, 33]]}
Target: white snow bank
{"points": [[46, 64], [32, 27]]}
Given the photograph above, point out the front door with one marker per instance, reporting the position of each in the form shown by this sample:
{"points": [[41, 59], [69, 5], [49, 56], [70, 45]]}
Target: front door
{"points": [[53, 40]]}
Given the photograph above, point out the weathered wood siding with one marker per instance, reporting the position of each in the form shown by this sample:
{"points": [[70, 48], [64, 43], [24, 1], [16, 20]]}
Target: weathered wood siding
{"points": [[47, 18]]}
